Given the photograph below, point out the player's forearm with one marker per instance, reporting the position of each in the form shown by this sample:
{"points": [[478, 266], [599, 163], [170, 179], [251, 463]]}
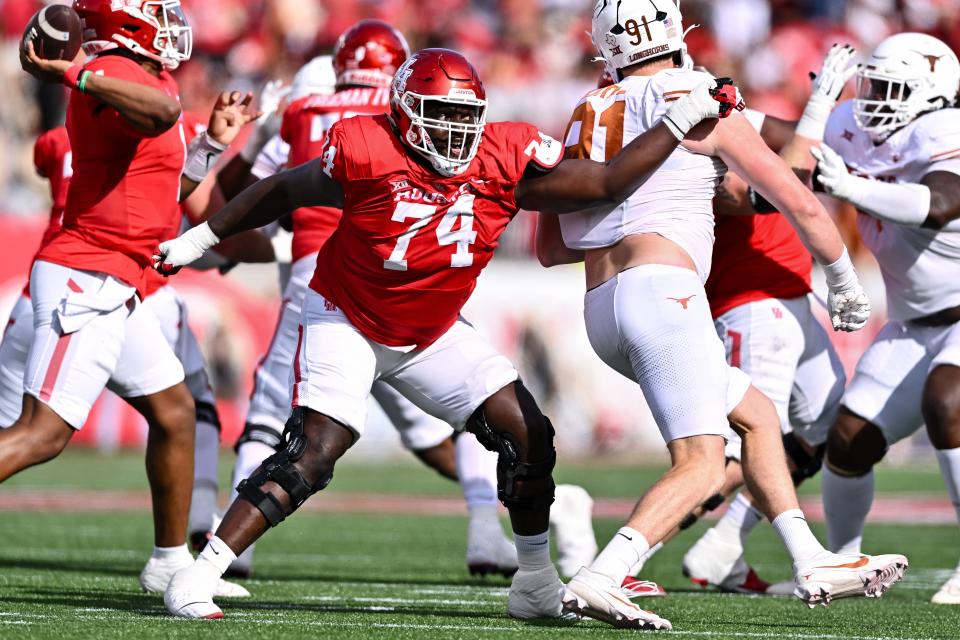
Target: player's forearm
{"points": [[581, 184], [235, 176], [551, 249], [146, 109], [258, 205]]}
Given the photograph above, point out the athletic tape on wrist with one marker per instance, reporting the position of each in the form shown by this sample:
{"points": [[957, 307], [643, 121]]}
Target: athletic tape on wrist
{"points": [[202, 154]]}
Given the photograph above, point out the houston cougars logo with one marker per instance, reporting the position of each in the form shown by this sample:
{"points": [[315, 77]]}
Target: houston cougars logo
{"points": [[683, 302]]}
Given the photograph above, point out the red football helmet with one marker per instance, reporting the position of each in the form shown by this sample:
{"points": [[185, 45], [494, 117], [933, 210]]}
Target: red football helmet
{"points": [[154, 29], [368, 54], [439, 106]]}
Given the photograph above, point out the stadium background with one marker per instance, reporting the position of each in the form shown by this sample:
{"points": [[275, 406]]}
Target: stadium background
{"points": [[534, 57]]}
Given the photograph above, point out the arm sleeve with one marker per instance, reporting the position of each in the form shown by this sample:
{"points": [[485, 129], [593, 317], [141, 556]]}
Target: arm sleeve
{"points": [[540, 153], [336, 159]]}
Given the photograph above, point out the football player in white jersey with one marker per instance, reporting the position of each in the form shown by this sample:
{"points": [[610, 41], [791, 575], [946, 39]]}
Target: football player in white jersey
{"points": [[894, 153], [647, 315]]}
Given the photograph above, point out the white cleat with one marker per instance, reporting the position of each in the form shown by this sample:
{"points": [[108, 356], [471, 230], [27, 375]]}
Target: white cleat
{"points": [[950, 591], [489, 551], [230, 590], [835, 576], [157, 573], [190, 593], [713, 562], [535, 594], [571, 518], [597, 596]]}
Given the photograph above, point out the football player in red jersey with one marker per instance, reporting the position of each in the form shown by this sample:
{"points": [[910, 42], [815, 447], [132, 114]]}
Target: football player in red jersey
{"points": [[130, 168], [426, 192], [363, 64]]}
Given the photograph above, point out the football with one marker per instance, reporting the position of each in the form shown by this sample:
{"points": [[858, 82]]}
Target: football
{"points": [[55, 32]]}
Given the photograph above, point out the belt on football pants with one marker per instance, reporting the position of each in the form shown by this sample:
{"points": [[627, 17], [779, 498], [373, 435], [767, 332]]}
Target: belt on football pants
{"points": [[941, 318]]}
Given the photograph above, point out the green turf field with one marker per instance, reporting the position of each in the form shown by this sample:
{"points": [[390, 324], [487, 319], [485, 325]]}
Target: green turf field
{"points": [[377, 576]]}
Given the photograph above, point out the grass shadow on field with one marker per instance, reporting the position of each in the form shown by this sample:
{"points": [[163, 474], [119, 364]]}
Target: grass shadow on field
{"points": [[275, 575], [131, 602], [77, 566]]}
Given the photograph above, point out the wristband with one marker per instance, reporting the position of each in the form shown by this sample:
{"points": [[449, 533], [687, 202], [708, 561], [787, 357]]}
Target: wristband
{"points": [[202, 154], [82, 85], [72, 75]]}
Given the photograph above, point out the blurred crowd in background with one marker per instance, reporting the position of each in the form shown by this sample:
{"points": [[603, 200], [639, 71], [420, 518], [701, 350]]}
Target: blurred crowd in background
{"points": [[535, 57]]}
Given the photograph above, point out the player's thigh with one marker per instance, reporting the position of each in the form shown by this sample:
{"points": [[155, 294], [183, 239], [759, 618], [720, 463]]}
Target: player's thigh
{"points": [[418, 430], [819, 382], [888, 381], [452, 377], [941, 394], [72, 357], [13, 360], [764, 339], [667, 333], [165, 305], [334, 365], [271, 396], [147, 363]]}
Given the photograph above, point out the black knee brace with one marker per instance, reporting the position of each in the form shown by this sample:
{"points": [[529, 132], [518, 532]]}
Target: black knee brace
{"points": [[509, 468], [206, 412], [807, 465], [280, 469], [259, 433], [710, 504]]}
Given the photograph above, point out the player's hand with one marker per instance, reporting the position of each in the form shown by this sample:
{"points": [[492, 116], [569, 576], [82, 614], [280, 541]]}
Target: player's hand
{"points": [[849, 308], [271, 103], [716, 98], [43, 70], [837, 69], [833, 174], [230, 115], [175, 254]]}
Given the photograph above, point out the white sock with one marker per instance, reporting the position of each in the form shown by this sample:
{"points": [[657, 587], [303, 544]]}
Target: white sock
{"points": [[250, 455], [652, 551], [203, 502], [846, 503], [163, 553], [738, 521], [622, 553], [477, 471], [533, 552], [793, 529], [218, 554], [949, 460]]}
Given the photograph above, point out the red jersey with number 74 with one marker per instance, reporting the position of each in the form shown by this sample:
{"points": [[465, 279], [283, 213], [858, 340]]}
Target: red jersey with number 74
{"points": [[410, 244]]}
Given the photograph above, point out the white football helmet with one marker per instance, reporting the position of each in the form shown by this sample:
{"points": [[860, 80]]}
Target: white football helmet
{"points": [[314, 78], [908, 74], [627, 32]]}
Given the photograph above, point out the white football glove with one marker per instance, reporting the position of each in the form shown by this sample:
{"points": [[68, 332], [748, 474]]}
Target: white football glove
{"points": [[175, 254], [837, 69], [849, 308], [715, 98], [268, 124], [847, 303], [834, 177]]}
